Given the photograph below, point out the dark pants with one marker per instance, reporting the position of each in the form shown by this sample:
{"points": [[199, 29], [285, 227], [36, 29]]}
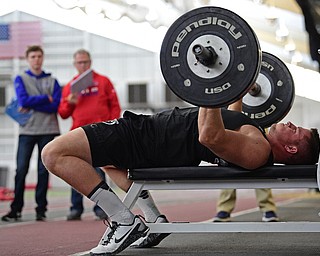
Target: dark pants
{"points": [[25, 148], [77, 198]]}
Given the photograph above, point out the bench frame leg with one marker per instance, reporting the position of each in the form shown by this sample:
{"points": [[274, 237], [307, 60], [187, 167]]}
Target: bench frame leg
{"points": [[205, 227]]}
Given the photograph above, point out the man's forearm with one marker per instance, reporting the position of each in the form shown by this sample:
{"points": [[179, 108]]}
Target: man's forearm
{"points": [[210, 125]]}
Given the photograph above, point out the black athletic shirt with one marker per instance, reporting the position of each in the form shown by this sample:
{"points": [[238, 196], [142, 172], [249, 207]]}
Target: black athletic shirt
{"points": [[176, 136], [166, 139]]}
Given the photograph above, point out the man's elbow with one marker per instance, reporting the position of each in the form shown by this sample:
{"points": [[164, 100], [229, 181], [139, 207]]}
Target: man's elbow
{"points": [[210, 137], [203, 139], [208, 140]]}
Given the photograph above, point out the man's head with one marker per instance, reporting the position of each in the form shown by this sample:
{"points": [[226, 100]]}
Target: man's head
{"points": [[34, 57], [294, 145], [82, 60]]}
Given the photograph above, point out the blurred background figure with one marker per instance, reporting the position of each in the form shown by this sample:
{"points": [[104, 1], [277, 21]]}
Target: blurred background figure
{"points": [[227, 198], [227, 201], [39, 93], [96, 101]]}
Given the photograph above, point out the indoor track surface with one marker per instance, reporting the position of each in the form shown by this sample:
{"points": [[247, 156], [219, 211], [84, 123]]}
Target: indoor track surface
{"points": [[56, 236]]}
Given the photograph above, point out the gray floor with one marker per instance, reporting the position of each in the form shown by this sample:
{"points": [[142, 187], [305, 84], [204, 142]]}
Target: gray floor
{"points": [[235, 244], [58, 237], [238, 244]]}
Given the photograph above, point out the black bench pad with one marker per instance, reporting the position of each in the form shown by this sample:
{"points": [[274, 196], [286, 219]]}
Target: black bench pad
{"points": [[218, 172]]}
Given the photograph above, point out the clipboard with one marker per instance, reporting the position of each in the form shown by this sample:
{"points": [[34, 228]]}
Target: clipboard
{"points": [[82, 81], [12, 110]]}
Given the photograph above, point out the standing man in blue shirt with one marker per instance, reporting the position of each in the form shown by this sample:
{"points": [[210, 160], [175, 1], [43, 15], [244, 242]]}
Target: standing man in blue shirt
{"points": [[38, 91]]}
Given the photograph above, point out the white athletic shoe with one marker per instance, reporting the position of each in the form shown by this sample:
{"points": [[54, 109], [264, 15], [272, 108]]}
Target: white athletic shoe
{"points": [[108, 233], [152, 239], [119, 236]]}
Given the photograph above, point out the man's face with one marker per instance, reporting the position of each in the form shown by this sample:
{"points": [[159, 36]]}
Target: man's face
{"points": [[288, 133], [82, 62], [35, 60]]}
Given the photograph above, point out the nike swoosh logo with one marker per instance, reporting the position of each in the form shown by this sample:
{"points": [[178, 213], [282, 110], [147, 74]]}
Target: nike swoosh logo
{"points": [[121, 238]]}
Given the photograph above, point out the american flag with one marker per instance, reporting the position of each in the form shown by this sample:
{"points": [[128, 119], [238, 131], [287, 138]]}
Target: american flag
{"points": [[17, 36]]}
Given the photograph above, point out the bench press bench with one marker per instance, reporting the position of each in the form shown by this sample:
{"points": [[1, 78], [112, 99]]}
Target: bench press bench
{"points": [[217, 177]]}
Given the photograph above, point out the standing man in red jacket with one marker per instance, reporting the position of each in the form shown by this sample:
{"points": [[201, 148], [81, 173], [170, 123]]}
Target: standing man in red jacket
{"points": [[97, 102]]}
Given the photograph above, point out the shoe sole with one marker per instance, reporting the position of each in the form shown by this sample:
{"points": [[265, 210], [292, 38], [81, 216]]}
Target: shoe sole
{"points": [[130, 241], [71, 219], [221, 220], [11, 219], [152, 240], [270, 219]]}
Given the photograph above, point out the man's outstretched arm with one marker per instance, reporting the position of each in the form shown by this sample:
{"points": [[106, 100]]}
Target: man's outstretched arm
{"points": [[245, 147]]}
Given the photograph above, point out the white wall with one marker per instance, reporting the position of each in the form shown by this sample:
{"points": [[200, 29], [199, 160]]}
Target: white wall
{"points": [[122, 63]]}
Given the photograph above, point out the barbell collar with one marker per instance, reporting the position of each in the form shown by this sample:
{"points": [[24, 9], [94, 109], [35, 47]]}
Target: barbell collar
{"points": [[255, 90], [207, 56]]}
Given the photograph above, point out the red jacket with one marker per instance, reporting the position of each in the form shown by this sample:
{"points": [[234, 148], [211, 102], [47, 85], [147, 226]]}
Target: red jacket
{"points": [[98, 102]]}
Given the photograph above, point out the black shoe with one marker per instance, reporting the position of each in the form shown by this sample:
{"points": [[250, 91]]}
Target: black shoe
{"points": [[222, 216], [40, 216], [152, 239], [74, 215], [11, 216], [270, 216]]}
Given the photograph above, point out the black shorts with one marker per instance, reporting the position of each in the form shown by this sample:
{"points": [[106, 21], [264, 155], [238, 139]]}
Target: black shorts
{"points": [[116, 143], [138, 141]]}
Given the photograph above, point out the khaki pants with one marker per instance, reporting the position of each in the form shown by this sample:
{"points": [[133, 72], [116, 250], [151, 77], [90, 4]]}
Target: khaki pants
{"points": [[227, 200]]}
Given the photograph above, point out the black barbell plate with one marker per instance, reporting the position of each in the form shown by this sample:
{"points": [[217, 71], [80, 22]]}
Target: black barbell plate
{"points": [[277, 93], [237, 65]]}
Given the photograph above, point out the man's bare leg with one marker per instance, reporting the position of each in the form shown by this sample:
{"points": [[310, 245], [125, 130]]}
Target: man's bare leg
{"points": [[145, 203], [69, 158], [118, 176], [145, 200]]}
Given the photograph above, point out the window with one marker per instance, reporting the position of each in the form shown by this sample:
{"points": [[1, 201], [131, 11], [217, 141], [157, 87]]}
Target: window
{"points": [[137, 93], [5, 82], [2, 96]]}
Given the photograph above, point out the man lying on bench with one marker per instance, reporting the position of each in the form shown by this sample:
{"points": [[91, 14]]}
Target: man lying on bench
{"points": [[176, 137]]}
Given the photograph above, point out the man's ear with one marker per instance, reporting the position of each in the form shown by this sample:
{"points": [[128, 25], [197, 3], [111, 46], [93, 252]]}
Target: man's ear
{"points": [[291, 149]]}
